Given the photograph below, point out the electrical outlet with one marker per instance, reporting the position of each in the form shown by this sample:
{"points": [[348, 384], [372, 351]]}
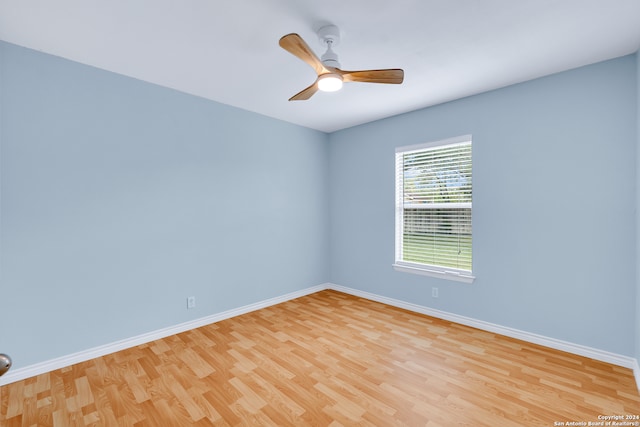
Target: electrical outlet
{"points": [[191, 302], [434, 292]]}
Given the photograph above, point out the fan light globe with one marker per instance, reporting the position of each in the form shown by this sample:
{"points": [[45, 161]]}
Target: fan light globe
{"points": [[330, 82]]}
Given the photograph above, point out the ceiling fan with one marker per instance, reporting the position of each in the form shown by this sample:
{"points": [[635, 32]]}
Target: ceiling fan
{"points": [[330, 76]]}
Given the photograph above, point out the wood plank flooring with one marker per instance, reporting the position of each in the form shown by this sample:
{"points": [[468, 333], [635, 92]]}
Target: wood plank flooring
{"points": [[327, 359]]}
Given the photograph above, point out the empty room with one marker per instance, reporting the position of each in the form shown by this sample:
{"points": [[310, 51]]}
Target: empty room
{"points": [[336, 213]]}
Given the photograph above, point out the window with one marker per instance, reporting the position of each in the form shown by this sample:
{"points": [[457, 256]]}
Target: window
{"points": [[433, 209]]}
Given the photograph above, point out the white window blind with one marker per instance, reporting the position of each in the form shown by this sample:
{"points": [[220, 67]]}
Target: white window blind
{"points": [[434, 206]]}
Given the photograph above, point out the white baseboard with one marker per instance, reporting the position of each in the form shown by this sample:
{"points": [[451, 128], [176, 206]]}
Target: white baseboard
{"points": [[581, 350], [61, 362], [82, 356]]}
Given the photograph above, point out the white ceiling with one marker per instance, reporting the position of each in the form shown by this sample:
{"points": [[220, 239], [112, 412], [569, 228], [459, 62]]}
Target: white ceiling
{"points": [[227, 50]]}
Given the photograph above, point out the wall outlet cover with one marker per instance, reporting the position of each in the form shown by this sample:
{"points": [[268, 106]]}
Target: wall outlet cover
{"points": [[191, 302]]}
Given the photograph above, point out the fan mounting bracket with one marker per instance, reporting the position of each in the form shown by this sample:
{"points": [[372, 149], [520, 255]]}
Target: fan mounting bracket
{"points": [[329, 35]]}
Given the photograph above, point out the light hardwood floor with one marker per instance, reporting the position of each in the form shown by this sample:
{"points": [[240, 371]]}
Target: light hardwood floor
{"points": [[327, 359]]}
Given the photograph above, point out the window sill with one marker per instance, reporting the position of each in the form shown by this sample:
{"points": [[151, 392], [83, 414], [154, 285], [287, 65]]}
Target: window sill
{"points": [[441, 274]]}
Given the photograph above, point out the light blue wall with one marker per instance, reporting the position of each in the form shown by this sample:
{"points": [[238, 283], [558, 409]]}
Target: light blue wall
{"points": [[553, 221], [638, 207], [120, 199]]}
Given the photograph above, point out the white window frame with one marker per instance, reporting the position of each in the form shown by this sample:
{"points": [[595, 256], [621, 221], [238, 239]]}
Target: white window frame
{"points": [[443, 272]]}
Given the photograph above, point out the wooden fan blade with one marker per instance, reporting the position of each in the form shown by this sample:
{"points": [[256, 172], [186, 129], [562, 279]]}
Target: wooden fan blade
{"points": [[306, 93], [389, 76], [294, 44]]}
